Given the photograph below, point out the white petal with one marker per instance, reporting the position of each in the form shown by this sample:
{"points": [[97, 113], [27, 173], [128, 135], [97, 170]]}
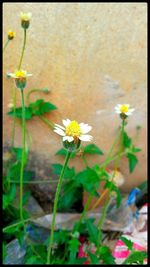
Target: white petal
{"points": [[11, 75], [59, 126], [85, 128], [131, 109], [59, 131], [66, 122], [29, 74], [118, 111], [86, 137], [68, 138]]}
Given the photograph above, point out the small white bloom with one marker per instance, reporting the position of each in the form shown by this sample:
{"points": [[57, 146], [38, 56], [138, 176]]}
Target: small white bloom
{"points": [[124, 109], [72, 131], [25, 16], [19, 74]]}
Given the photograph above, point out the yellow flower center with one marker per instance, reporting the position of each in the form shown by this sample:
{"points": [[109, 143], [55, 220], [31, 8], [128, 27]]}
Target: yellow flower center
{"points": [[20, 74], [73, 129], [124, 108]]}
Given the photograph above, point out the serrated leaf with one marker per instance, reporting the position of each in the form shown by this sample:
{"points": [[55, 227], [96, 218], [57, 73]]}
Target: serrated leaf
{"points": [[132, 159], [89, 179], [63, 152], [39, 107], [127, 141], [18, 153], [73, 248], [61, 236], [92, 149], [93, 232], [18, 113], [136, 257], [69, 172], [127, 242], [106, 256]]}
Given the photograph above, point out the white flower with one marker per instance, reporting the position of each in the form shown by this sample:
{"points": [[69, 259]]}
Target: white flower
{"points": [[72, 131], [19, 74], [25, 16], [124, 109]]}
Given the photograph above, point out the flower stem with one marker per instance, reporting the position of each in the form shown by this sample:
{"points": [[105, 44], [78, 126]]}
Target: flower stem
{"points": [[5, 45], [48, 122], [55, 206], [121, 143], [30, 92], [102, 218], [23, 49], [23, 156], [15, 92]]}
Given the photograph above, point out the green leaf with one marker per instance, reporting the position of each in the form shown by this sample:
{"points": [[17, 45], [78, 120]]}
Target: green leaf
{"points": [[136, 149], [127, 141], [18, 153], [105, 255], [92, 149], [63, 152], [73, 248], [18, 113], [143, 187], [112, 187], [70, 192], [69, 172], [89, 179], [93, 232], [127, 242], [132, 159], [93, 258], [104, 175], [9, 197], [39, 107], [136, 257], [61, 236], [4, 251]]}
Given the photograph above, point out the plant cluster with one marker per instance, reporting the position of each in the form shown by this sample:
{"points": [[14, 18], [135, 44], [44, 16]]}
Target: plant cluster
{"points": [[63, 246]]}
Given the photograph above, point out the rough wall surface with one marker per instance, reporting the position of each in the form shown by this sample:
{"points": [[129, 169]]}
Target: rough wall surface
{"points": [[91, 56]]}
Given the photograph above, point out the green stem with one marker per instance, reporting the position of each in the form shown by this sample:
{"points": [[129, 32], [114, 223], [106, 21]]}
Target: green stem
{"points": [[121, 144], [5, 45], [15, 91], [35, 182], [49, 123], [23, 155], [87, 204], [23, 49], [101, 220], [30, 92], [84, 159], [55, 206], [14, 119]]}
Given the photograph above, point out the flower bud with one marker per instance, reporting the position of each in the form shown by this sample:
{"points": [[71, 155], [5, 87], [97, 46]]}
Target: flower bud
{"points": [[25, 19], [11, 35], [71, 146]]}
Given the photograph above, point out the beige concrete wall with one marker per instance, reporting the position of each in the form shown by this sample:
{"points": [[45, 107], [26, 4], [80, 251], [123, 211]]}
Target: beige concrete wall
{"points": [[92, 56]]}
